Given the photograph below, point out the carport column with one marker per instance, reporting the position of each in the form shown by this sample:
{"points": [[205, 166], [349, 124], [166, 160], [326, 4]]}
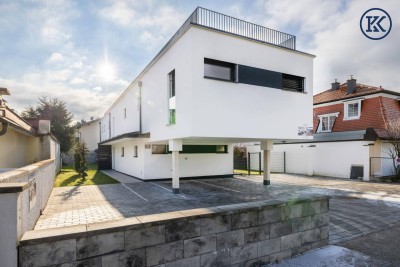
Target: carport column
{"points": [[267, 146], [175, 145]]}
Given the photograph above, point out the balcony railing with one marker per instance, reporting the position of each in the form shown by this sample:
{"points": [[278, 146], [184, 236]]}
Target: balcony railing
{"points": [[217, 21]]}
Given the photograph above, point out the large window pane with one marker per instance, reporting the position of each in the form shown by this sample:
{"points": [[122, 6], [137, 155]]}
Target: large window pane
{"points": [[219, 69]]}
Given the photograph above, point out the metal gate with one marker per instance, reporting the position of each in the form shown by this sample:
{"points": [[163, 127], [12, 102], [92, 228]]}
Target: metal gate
{"points": [[253, 162], [104, 157]]}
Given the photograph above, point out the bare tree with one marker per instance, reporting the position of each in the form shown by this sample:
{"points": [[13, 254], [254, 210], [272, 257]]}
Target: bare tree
{"points": [[393, 137]]}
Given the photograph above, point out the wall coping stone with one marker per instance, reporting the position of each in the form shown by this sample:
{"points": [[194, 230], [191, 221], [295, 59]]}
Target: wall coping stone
{"points": [[13, 187], [62, 233], [5, 177]]}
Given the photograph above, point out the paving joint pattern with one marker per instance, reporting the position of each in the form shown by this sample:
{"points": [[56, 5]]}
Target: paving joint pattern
{"points": [[356, 208]]}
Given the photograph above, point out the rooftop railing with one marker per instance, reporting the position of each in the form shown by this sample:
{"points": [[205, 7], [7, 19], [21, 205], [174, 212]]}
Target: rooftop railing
{"points": [[217, 21]]}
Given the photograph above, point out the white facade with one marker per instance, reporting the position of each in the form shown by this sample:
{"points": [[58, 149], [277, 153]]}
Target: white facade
{"points": [[89, 133], [333, 159], [208, 111]]}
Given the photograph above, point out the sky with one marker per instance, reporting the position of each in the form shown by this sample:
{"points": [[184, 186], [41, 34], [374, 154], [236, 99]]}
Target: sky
{"points": [[87, 52]]}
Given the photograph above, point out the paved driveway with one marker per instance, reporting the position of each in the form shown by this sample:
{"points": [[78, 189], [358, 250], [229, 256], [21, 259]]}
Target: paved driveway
{"points": [[356, 208]]}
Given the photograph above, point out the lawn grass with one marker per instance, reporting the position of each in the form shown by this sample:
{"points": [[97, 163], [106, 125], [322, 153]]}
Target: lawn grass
{"points": [[246, 172], [68, 177]]}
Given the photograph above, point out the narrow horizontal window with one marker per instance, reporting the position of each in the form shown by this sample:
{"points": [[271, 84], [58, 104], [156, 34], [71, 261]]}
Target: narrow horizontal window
{"points": [[292, 82], [219, 70], [159, 149], [204, 149]]}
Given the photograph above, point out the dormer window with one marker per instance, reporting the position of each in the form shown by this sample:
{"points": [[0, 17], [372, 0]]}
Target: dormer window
{"points": [[352, 110], [326, 122]]}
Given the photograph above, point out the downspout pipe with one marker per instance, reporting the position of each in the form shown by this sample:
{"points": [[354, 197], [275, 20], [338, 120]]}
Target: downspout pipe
{"points": [[140, 106], [4, 128]]}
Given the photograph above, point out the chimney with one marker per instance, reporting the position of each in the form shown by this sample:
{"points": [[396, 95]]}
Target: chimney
{"points": [[3, 91], [335, 85], [351, 85]]}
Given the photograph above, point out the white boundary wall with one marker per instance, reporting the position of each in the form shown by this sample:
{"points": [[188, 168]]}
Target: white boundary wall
{"points": [[23, 195], [332, 159]]}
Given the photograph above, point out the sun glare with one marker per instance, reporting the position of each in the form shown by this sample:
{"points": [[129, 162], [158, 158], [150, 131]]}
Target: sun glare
{"points": [[106, 71]]}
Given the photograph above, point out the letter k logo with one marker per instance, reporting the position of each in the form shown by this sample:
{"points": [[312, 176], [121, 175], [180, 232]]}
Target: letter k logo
{"points": [[372, 21]]}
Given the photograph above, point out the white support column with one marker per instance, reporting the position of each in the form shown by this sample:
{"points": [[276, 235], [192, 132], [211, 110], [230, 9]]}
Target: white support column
{"points": [[267, 146], [175, 172], [366, 160], [175, 145]]}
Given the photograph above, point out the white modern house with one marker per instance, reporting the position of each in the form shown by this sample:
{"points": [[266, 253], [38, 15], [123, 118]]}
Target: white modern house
{"points": [[218, 81], [89, 133]]}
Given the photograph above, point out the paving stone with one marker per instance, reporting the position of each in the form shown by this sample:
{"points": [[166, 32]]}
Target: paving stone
{"points": [[199, 245], [164, 253], [187, 262], [216, 224], [269, 215], [216, 258], [290, 241], [292, 211], [48, 254], [263, 261], [133, 258], [310, 236], [230, 239], [144, 237], [268, 247], [280, 229], [250, 263], [93, 262], [99, 244], [243, 220], [320, 220], [244, 253], [277, 257], [324, 232], [182, 230], [256, 234]]}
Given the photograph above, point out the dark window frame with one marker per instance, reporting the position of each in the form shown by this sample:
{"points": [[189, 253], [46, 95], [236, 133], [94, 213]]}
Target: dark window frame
{"points": [[135, 151], [289, 83], [164, 152], [171, 94], [219, 63], [122, 152]]}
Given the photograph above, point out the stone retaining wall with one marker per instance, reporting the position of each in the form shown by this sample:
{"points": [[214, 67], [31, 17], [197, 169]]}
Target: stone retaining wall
{"points": [[248, 234]]}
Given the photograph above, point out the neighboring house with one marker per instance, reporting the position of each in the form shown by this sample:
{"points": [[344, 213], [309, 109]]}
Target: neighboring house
{"points": [[350, 122], [24, 142], [218, 81], [89, 133]]}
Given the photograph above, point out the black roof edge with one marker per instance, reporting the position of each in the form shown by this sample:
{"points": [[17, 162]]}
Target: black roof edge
{"points": [[127, 135]]}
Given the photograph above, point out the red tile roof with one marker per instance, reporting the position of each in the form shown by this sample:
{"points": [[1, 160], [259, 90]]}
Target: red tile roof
{"points": [[376, 112], [341, 93]]}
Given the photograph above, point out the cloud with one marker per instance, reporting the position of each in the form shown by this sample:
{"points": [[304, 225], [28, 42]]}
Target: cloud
{"points": [[56, 57], [155, 23], [77, 80], [330, 30], [82, 102]]}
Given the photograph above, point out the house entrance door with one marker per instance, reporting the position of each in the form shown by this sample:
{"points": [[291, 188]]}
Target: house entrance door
{"points": [[104, 157]]}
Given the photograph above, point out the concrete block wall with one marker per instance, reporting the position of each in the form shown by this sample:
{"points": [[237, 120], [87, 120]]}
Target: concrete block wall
{"points": [[247, 234]]}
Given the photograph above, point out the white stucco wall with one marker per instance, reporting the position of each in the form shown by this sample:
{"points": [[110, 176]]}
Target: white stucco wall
{"points": [[228, 104], [247, 111], [90, 134], [154, 166], [18, 150], [332, 159], [129, 164]]}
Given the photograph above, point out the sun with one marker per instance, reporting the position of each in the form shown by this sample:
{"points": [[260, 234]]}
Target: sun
{"points": [[106, 71]]}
